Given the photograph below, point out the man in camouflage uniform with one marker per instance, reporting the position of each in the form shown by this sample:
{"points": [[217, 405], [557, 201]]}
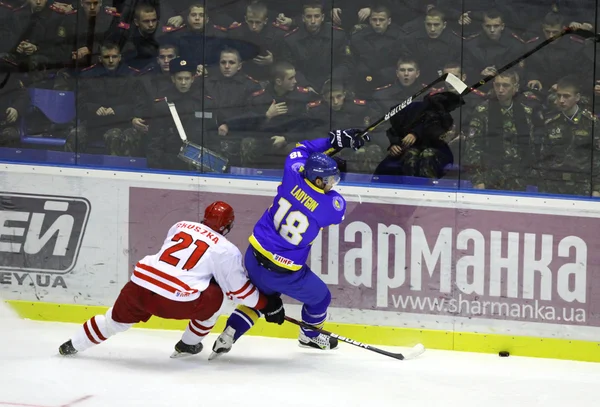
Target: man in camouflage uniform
{"points": [[105, 106], [339, 109], [500, 145], [569, 155]]}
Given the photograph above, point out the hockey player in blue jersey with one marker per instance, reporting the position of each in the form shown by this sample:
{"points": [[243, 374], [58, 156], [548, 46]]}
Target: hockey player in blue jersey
{"points": [[281, 240]]}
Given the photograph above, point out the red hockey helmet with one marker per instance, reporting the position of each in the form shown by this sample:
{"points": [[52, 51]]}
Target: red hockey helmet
{"points": [[219, 217]]}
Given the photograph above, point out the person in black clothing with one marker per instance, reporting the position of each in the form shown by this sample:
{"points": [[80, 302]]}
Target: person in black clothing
{"points": [[196, 110], [278, 113], [232, 90], [85, 32], [268, 37], [105, 106]]}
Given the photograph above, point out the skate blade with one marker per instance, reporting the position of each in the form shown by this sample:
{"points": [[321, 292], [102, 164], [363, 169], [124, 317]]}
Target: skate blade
{"points": [[302, 345], [215, 355], [181, 355]]}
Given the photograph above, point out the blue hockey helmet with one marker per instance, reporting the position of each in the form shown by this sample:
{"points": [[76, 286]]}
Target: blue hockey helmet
{"points": [[319, 165]]}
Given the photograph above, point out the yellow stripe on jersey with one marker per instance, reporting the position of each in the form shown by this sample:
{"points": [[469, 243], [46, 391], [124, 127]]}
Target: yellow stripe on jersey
{"points": [[314, 186], [271, 256]]}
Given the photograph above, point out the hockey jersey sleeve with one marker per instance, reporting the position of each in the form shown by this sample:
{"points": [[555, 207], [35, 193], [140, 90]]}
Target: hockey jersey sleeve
{"points": [[234, 281]]}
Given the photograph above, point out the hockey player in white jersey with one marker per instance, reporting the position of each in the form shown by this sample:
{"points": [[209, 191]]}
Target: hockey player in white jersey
{"points": [[189, 278]]}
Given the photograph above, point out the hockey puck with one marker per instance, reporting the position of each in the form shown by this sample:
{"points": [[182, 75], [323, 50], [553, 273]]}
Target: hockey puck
{"points": [[503, 354]]}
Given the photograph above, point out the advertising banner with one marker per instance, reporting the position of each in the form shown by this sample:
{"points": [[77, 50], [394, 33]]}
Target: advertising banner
{"points": [[451, 262]]}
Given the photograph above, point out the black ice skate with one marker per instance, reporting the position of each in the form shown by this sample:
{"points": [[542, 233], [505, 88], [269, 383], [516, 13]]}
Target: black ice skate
{"points": [[183, 350], [322, 342], [67, 349]]}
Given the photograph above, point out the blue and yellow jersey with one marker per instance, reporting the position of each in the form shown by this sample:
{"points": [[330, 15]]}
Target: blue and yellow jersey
{"points": [[285, 232]]}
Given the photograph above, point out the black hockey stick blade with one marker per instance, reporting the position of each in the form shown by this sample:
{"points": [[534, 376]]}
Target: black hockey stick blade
{"points": [[568, 30], [448, 78], [416, 351]]}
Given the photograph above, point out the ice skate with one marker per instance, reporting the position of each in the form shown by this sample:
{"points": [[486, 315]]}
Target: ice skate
{"points": [[67, 349], [223, 343], [182, 350], [322, 342]]}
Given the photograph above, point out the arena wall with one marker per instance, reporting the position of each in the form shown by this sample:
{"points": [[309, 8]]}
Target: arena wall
{"points": [[460, 271]]}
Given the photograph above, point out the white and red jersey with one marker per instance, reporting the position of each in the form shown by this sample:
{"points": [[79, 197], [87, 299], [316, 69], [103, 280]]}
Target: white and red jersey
{"points": [[190, 256]]}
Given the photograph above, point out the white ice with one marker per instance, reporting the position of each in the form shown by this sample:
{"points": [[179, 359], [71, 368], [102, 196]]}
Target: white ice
{"points": [[134, 369]]}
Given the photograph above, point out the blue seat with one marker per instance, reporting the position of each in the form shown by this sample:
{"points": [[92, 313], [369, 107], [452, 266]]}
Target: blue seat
{"points": [[58, 106]]}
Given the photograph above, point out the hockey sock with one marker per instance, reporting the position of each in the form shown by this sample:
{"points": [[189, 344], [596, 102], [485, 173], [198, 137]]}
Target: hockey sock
{"points": [[315, 315], [196, 331], [242, 319], [97, 330]]}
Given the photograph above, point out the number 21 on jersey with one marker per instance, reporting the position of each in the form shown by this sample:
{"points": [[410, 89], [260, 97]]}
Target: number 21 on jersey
{"points": [[290, 225]]}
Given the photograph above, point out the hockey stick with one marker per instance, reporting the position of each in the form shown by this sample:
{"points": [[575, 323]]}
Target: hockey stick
{"points": [[448, 78], [416, 351], [585, 34], [462, 88]]}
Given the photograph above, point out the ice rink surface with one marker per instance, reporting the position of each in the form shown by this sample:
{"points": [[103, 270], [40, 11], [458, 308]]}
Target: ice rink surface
{"points": [[134, 369]]}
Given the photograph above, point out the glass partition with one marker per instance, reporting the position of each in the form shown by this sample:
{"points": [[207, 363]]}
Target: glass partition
{"points": [[230, 86]]}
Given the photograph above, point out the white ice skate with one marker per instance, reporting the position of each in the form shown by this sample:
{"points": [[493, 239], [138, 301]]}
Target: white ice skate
{"points": [[223, 343], [323, 342]]}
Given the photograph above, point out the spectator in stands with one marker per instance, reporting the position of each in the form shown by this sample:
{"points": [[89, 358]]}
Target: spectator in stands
{"points": [[407, 83], [315, 48], [562, 57], [199, 40], [138, 41], [373, 52], [149, 84], [569, 153], [232, 91], [338, 108], [467, 16], [168, 12], [105, 105], [500, 145], [34, 38], [196, 111], [267, 37], [494, 47], [85, 32], [434, 45], [13, 103], [279, 112]]}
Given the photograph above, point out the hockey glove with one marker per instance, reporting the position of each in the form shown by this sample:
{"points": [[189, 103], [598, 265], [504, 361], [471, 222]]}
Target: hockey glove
{"points": [[347, 138], [274, 311]]}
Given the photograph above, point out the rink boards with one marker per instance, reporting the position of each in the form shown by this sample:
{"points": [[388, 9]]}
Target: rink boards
{"points": [[457, 271]]}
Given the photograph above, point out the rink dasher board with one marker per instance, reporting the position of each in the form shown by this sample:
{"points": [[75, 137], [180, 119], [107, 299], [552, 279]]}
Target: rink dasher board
{"points": [[130, 211]]}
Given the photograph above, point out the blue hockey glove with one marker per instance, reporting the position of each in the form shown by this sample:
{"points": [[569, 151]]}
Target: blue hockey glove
{"points": [[348, 138]]}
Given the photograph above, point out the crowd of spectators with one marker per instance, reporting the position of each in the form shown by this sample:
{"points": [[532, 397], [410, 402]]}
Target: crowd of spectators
{"points": [[250, 79]]}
